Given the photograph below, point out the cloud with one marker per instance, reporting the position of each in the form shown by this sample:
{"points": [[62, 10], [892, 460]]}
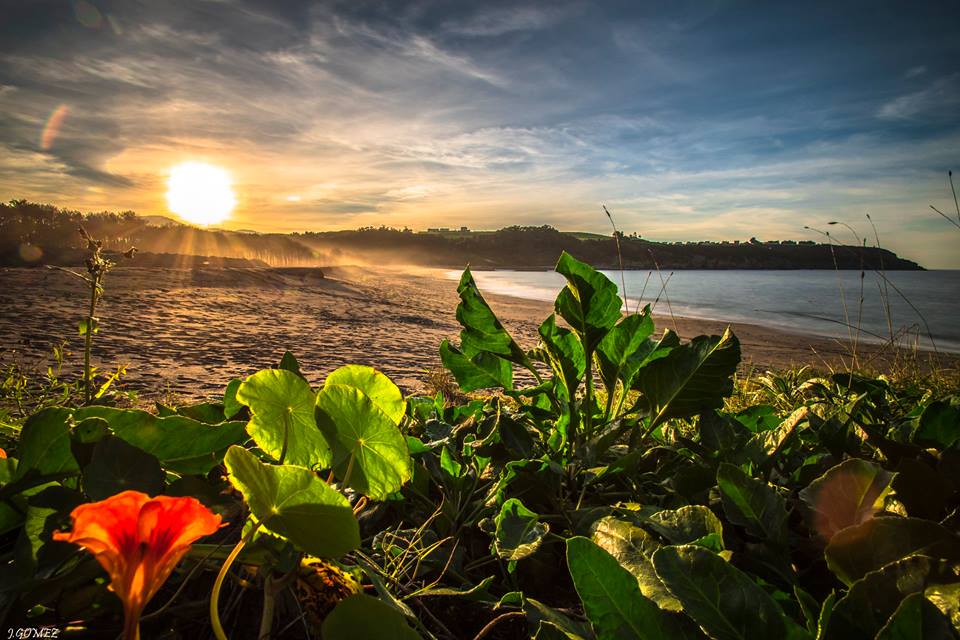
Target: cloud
{"points": [[682, 118], [941, 98]]}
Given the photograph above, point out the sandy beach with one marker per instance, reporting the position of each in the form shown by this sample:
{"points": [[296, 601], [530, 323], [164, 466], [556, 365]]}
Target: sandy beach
{"points": [[186, 332]]}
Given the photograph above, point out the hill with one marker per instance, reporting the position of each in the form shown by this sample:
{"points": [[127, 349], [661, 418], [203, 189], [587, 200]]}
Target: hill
{"points": [[539, 247], [32, 233]]}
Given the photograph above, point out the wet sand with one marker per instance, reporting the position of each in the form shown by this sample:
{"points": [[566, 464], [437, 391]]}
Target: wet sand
{"points": [[185, 333]]}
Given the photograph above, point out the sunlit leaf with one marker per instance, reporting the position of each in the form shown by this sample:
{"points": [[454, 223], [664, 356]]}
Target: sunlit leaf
{"points": [[293, 503], [633, 548], [282, 419], [686, 524], [375, 385], [369, 452]]}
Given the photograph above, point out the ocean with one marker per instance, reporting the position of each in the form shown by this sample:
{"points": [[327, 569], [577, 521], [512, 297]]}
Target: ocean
{"points": [[923, 305]]}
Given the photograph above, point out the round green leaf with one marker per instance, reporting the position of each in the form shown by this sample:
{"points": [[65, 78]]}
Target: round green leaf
{"points": [[293, 503], [282, 418], [369, 453], [362, 616], [375, 385]]}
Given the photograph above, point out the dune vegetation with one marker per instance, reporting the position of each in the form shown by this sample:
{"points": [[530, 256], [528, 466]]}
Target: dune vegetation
{"points": [[608, 482]]}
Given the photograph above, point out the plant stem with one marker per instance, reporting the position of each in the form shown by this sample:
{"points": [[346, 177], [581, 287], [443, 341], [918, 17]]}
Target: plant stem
{"points": [[218, 584], [88, 340], [266, 616]]}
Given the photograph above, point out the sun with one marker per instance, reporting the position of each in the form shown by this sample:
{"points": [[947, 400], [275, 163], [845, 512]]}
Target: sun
{"points": [[200, 193]]}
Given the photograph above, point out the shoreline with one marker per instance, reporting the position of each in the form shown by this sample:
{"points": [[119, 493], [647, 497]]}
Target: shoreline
{"points": [[185, 333]]}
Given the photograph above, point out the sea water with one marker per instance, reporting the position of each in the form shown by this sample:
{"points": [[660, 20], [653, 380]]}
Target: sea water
{"points": [[922, 306]]}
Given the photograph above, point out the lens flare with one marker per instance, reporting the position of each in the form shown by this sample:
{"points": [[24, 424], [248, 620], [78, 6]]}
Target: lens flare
{"points": [[52, 128], [200, 193], [87, 14]]}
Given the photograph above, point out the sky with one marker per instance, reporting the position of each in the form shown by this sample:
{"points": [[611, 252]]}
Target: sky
{"points": [[688, 120]]}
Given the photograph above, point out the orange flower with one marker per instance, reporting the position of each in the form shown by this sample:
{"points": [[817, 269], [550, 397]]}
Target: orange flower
{"points": [[139, 540]]}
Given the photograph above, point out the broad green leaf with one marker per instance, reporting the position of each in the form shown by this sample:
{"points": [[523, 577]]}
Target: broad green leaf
{"points": [[293, 503], [369, 453], [231, 406], [846, 495], [282, 419], [753, 504], [590, 303], [686, 524], [205, 412], [858, 550], [375, 385], [482, 371], [44, 445], [612, 599], [633, 547], [563, 351], [363, 616], [519, 531], [870, 601], [180, 444], [690, 379], [724, 601], [482, 331], [939, 425], [917, 619], [118, 466], [619, 347]]}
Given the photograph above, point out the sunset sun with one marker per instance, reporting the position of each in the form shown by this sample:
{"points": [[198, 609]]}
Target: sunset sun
{"points": [[200, 193]]}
